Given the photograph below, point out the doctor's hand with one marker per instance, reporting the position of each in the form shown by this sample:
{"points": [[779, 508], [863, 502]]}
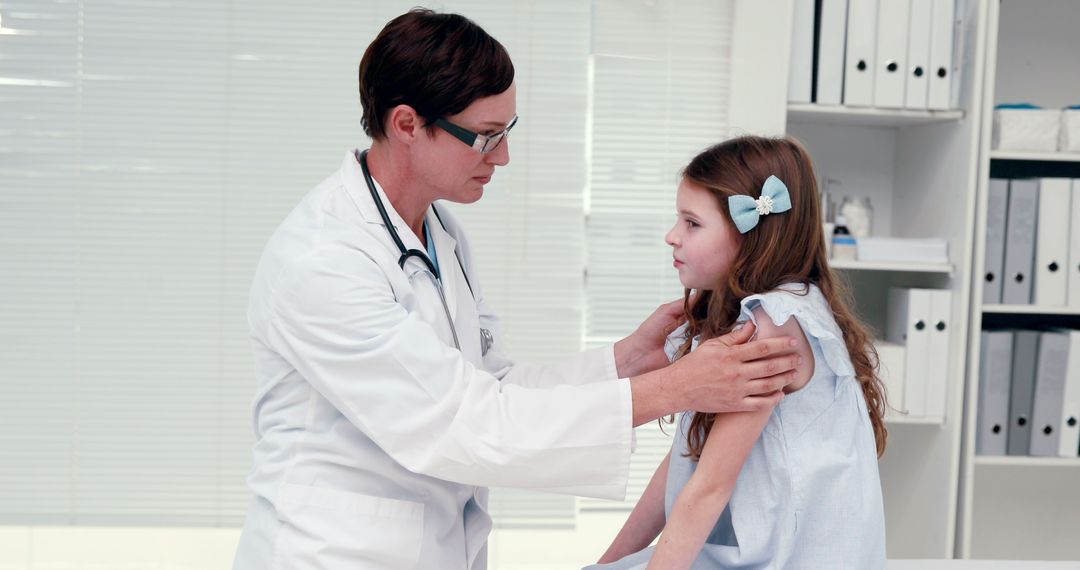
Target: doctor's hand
{"points": [[643, 350], [724, 374]]}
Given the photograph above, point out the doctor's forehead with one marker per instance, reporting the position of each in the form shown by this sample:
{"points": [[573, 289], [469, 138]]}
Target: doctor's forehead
{"points": [[495, 111]]}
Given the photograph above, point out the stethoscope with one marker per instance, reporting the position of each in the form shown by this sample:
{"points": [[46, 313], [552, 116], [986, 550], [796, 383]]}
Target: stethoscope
{"points": [[486, 338]]}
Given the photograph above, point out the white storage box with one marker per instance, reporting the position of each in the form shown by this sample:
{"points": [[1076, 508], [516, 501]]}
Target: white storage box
{"points": [[1069, 138], [1026, 129], [882, 249]]}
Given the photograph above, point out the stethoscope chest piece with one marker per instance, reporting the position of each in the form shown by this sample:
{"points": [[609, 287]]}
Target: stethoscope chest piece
{"points": [[486, 340]]}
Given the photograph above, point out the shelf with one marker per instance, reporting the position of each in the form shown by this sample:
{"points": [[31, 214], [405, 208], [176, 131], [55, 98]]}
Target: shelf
{"points": [[867, 116], [895, 418], [1035, 156], [892, 266], [1019, 461], [1029, 310]]}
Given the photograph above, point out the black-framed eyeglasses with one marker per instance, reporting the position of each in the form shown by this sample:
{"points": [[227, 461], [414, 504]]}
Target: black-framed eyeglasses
{"points": [[478, 142]]}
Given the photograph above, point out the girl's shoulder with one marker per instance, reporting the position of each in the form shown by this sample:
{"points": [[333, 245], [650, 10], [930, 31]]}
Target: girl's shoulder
{"points": [[780, 304], [802, 300], [806, 303]]}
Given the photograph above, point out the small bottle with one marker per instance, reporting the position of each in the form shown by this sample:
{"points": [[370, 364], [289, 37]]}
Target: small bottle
{"points": [[843, 243], [859, 215]]}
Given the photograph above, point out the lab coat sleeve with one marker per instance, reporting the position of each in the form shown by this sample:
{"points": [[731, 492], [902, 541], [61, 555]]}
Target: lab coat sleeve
{"points": [[335, 318], [594, 365]]}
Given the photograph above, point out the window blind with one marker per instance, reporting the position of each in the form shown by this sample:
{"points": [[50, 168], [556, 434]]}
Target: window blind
{"points": [[149, 149], [660, 76]]}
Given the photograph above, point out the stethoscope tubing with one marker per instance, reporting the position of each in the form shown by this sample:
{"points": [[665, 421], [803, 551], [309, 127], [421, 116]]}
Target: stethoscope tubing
{"points": [[432, 271], [405, 253]]}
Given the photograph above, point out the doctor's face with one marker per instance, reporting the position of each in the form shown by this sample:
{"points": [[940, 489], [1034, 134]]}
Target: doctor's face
{"points": [[454, 171], [704, 238]]}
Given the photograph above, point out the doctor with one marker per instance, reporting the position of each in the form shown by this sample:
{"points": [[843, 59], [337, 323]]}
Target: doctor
{"points": [[386, 403]]}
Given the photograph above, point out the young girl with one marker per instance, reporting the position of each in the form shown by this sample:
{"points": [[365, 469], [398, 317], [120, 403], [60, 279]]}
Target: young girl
{"points": [[791, 487]]}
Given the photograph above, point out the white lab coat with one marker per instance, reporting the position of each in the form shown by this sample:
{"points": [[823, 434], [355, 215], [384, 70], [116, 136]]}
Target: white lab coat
{"points": [[376, 438]]}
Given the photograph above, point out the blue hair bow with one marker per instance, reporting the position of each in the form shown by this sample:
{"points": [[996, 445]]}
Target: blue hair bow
{"points": [[746, 211]]}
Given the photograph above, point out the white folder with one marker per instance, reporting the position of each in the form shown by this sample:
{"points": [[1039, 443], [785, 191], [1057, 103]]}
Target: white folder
{"points": [[918, 54], [860, 56], [997, 204], [892, 35], [995, 364], [1020, 242], [907, 322], [1049, 388], [1070, 401], [832, 26], [941, 54], [937, 360], [1073, 279], [1052, 242], [800, 76]]}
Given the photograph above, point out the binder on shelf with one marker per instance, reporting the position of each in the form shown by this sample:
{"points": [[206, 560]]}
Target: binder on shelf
{"points": [[908, 323], [918, 54], [891, 358], [830, 52], [892, 35], [941, 55], [997, 202], [1052, 242], [1020, 241], [1073, 280], [801, 74], [1021, 391], [992, 420], [1070, 402], [1049, 389], [861, 53], [937, 360]]}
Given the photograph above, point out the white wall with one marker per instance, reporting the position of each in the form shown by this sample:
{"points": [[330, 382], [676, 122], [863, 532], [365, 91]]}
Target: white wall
{"points": [[760, 69]]}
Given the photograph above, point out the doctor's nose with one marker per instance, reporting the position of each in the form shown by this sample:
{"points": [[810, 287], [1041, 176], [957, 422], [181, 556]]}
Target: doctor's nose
{"points": [[500, 155]]}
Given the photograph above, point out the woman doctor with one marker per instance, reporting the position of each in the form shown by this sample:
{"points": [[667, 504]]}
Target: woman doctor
{"points": [[385, 402]]}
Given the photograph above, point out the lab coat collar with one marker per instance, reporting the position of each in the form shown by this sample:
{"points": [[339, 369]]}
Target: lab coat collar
{"points": [[356, 186], [445, 244]]}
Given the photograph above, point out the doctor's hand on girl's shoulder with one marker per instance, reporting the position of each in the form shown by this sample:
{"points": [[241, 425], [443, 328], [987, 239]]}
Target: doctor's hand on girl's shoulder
{"points": [[643, 350], [729, 374]]}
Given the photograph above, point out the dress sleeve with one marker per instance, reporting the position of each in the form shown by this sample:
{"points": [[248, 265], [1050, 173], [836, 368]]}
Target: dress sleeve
{"points": [[815, 317]]}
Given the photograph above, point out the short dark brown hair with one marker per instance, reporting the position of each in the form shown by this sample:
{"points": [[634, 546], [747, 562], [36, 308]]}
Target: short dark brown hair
{"points": [[438, 64]]}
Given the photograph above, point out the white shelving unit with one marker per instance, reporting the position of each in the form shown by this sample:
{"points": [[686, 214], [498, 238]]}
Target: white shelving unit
{"points": [[1028, 310], [898, 419], [1035, 156], [899, 267], [1064, 462], [1020, 508], [920, 170], [867, 116]]}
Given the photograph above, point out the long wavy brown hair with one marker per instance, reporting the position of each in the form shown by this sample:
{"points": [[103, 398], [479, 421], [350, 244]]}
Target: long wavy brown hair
{"points": [[786, 247]]}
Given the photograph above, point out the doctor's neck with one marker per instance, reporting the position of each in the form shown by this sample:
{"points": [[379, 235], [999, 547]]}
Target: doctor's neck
{"points": [[392, 173]]}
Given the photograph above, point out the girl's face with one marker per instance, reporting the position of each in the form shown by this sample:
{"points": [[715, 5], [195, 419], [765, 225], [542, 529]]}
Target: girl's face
{"points": [[704, 238]]}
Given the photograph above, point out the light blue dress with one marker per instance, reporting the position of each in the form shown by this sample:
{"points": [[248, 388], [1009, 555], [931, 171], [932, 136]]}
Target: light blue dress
{"points": [[809, 495]]}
